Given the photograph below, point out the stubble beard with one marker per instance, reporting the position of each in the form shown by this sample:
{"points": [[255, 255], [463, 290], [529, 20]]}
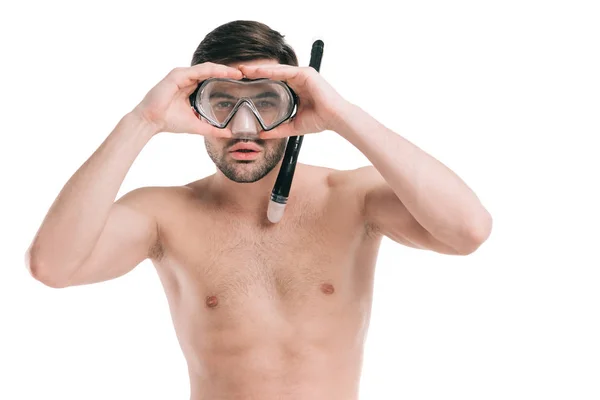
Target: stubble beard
{"points": [[247, 171]]}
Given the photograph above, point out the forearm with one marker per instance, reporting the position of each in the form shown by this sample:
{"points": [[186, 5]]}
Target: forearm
{"points": [[76, 218], [434, 195]]}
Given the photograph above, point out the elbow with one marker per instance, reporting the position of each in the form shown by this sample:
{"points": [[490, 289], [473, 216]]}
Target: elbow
{"points": [[44, 273], [478, 233]]}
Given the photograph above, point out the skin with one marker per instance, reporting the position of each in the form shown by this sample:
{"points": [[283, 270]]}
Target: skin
{"points": [[261, 310]]}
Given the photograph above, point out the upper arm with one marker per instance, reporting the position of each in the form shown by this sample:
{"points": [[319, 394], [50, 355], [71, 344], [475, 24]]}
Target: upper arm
{"points": [[384, 213], [129, 236]]}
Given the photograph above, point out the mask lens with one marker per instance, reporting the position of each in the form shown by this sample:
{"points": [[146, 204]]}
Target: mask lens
{"points": [[218, 99], [271, 101]]}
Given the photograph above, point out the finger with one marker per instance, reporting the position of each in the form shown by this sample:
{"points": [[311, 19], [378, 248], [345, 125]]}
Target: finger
{"points": [[278, 72], [210, 70], [186, 76], [205, 129], [188, 90], [210, 130], [254, 66], [220, 133], [282, 131], [265, 68]]}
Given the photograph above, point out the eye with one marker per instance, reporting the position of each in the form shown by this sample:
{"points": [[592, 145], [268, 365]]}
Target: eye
{"points": [[263, 105], [222, 105]]}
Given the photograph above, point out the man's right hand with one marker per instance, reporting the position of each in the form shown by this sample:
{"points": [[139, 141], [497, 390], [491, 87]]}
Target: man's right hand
{"points": [[166, 107]]}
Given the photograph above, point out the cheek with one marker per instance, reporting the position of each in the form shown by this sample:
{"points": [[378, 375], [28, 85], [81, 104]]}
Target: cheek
{"points": [[275, 143], [213, 144]]}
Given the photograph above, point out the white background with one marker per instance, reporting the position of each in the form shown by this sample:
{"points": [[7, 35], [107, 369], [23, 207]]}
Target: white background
{"points": [[507, 94]]}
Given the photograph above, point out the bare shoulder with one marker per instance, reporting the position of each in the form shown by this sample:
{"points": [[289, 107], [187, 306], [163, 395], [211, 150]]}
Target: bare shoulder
{"points": [[163, 205], [345, 193], [353, 185], [154, 198], [339, 183], [312, 174], [334, 178], [351, 178]]}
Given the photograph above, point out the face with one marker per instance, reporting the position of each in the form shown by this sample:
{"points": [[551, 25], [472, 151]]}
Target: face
{"points": [[244, 166]]}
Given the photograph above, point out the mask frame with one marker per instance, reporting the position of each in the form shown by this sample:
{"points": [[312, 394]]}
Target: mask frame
{"points": [[194, 102]]}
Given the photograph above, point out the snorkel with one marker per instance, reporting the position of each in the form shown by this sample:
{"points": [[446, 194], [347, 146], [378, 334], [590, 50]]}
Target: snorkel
{"points": [[281, 190]]}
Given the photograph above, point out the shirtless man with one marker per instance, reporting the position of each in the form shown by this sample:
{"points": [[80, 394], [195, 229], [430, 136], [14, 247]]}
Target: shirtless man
{"points": [[261, 310]]}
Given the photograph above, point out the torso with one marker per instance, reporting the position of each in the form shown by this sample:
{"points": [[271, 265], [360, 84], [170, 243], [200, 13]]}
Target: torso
{"points": [[270, 311]]}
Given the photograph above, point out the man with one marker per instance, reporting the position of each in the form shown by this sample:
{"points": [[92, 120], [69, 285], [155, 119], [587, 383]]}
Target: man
{"points": [[261, 310]]}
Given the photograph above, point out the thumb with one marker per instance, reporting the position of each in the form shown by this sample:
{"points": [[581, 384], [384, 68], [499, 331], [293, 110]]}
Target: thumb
{"points": [[206, 129], [283, 130], [197, 126]]}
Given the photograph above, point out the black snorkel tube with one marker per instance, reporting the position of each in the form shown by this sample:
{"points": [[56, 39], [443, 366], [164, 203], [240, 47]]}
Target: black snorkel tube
{"points": [[281, 190]]}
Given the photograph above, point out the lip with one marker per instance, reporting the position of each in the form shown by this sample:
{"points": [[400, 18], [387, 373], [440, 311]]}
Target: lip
{"points": [[245, 146], [238, 155]]}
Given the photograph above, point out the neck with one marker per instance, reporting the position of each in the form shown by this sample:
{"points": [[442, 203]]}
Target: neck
{"points": [[244, 197]]}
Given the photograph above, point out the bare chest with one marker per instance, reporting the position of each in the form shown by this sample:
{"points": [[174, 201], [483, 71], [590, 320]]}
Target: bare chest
{"points": [[275, 264], [230, 262]]}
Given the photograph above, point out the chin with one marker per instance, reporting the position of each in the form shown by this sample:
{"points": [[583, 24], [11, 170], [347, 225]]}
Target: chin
{"points": [[245, 171]]}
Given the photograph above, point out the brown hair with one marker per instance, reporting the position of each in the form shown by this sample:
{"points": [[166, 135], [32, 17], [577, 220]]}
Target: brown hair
{"points": [[244, 41]]}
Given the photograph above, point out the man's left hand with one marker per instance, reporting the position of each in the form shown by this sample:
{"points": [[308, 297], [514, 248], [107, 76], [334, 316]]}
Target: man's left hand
{"points": [[319, 107]]}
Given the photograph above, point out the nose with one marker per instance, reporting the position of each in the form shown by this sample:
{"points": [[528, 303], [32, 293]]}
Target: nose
{"points": [[244, 123]]}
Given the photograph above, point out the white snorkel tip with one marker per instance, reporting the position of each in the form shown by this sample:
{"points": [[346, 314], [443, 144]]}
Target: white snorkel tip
{"points": [[275, 211]]}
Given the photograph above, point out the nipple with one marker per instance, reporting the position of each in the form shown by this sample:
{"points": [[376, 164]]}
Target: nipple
{"points": [[212, 301], [327, 288]]}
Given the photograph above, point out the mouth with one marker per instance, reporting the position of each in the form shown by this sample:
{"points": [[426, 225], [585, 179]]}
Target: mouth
{"points": [[244, 154], [245, 151], [245, 146]]}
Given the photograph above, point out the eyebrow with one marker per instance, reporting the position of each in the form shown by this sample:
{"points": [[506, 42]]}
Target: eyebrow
{"points": [[267, 94], [221, 95], [224, 95]]}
